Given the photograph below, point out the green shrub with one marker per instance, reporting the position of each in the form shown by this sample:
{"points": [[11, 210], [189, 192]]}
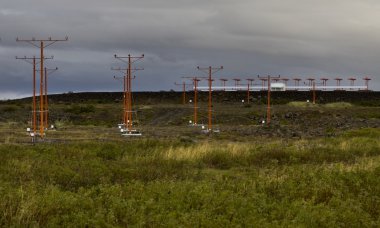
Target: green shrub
{"points": [[80, 109], [300, 104], [9, 108], [218, 159], [338, 105]]}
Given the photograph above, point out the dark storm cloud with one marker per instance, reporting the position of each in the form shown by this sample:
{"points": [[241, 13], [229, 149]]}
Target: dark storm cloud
{"points": [[292, 37]]}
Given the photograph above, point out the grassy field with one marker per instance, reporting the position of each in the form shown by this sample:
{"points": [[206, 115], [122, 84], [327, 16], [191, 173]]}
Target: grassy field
{"points": [[321, 182], [316, 166]]}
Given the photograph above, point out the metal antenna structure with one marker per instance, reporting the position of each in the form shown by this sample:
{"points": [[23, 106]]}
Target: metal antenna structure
{"points": [[314, 94], [276, 79], [296, 82], [195, 80], [311, 80], [268, 79], [324, 82], [338, 82], [128, 119], [34, 62], [123, 80], [285, 80], [183, 84], [352, 82], [223, 83], [42, 44], [263, 82], [313, 88], [47, 71], [237, 80], [210, 70], [250, 81], [367, 79], [249, 85]]}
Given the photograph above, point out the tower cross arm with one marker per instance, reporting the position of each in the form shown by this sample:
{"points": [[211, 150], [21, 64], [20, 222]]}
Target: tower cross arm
{"points": [[38, 42], [30, 59], [129, 57], [207, 69]]}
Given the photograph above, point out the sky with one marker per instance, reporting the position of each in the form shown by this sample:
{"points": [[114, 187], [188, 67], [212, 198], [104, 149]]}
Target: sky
{"points": [[292, 38]]}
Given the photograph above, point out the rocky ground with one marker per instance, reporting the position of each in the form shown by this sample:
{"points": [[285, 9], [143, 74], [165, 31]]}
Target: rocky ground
{"points": [[161, 115]]}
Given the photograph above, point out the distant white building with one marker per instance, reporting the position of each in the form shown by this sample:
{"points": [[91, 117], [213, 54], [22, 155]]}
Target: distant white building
{"points": [[278, 86]]}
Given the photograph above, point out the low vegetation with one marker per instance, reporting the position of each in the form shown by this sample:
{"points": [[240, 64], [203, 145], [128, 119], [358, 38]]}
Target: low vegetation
{"points": [[338, 105], [300, 104], [80, 109], [325, 182], [315, 166], [306, 104]]}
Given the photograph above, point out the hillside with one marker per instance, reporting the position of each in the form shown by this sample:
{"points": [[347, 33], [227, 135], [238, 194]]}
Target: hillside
{"points": [[370, 98]]}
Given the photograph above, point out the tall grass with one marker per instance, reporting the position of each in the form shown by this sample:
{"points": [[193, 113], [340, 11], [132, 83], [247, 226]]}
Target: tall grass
{"points": [[158, 183], [341, 149]]}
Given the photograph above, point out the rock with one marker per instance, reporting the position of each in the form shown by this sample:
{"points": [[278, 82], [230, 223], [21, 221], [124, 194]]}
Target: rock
{"points": [[295, 134], [288, 115]]}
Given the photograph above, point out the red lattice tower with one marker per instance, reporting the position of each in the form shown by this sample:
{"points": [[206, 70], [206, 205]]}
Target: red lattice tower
{"points": [[223, 81], [311, 80], [352, 82], [237, 80], [42, 44], [367, 79], [324, 82], [210, 71], [276, 79], [250, 81], [184, 85], [297, 81], [285, 80], [268, 79], [263, 82], [338, 81]]}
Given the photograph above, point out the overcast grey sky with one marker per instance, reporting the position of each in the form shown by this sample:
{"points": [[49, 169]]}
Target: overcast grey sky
{"points": [[324, 38]]}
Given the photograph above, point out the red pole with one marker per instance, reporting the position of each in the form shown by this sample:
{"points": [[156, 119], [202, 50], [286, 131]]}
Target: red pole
{"points": [[34, 98], [209, 99], [129, 93], [46, 100], [268, 108], [314, 93], [42, 91], [248, 95], [184, 93], [195, 101], [124, 100]]}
